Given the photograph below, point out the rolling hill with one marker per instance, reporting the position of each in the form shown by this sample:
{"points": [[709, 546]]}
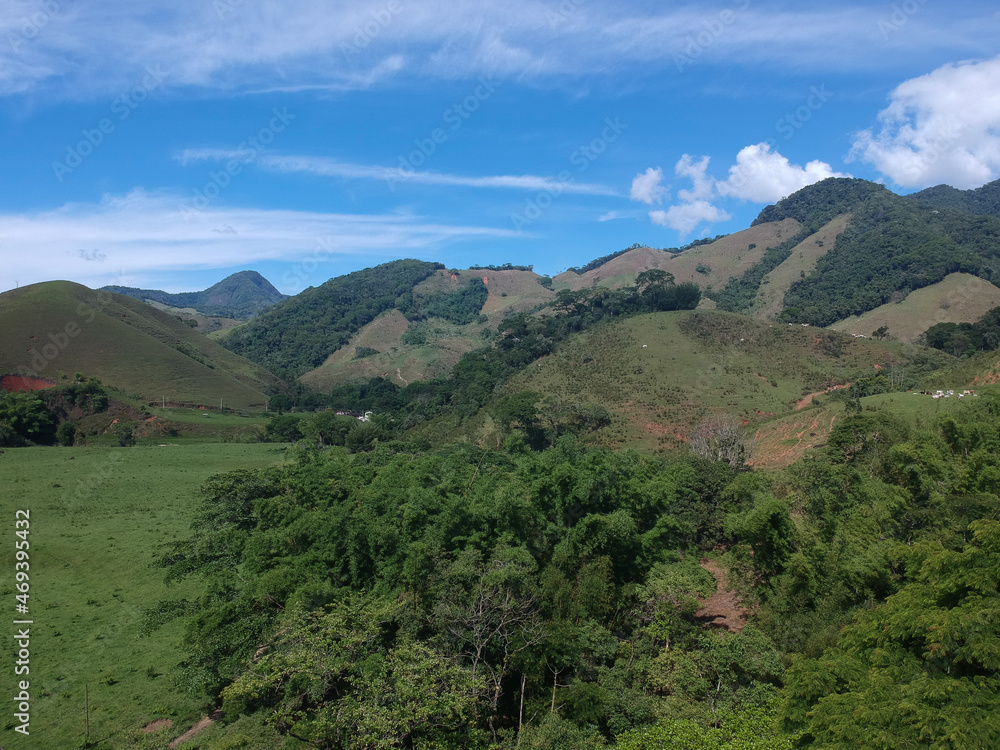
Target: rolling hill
{"points": [[661, 374], [240, 295], [59, 328]]}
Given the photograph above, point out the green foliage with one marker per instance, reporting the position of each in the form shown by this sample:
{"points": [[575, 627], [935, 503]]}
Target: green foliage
{"points": [[66, 434], [892, 246], [360, 352], [89, 395], [500, 571], [460, 307], [27, 418], [919, 670], [744, 730], [965, 339], [981, 200], [340, 679], [298, 334], [284, 428]]}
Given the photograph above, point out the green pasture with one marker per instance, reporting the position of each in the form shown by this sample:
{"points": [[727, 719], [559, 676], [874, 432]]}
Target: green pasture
{"points": [[98, 518]]}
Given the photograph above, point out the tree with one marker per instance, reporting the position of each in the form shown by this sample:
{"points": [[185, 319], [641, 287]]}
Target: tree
{"points": [[66, 433], [27, 416], [723, 439], [921, 670], [284, 428], [339, 680]]}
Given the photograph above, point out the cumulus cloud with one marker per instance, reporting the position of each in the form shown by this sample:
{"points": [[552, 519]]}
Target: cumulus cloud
{"points": [[939, 127], [686, 217], [647, 187], [759, 175], [702, 184], [764, 176]]}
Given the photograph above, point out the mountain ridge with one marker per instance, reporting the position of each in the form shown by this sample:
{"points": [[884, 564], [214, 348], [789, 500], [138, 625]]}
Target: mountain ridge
{"points": [[240, 295]]}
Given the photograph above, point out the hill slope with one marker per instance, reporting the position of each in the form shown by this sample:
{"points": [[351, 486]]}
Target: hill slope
{"points": [[59, 326], [708, 265], [661, 374], [240, 295], [422, 345], [958, 298]]}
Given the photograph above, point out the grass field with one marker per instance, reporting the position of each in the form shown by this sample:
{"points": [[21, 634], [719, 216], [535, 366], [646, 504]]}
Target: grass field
{"points": [[958, 298], [98, 517], [661, 374]]}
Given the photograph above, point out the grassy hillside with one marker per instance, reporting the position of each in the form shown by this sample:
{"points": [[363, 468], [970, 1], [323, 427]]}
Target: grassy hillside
{"points": [[663, 373], [240, 295], [423, 348], [710, 265], [59, 327], [802, 261], [97, 523], [437, 346], [958, 298], [298, 334]]}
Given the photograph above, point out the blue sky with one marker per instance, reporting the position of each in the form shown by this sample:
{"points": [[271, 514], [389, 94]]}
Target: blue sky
{"points": [[166, 145]]}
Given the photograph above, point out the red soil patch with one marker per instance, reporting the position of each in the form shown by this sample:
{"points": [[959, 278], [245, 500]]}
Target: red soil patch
{"points": [[723, 609], [807, 399], [156, 726], [771, 449], [24, 383]]}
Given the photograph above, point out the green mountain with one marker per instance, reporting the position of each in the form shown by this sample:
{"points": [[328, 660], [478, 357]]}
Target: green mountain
{"points": [[241, 295], [981, 200], [59, 328], [408, 317], [889, 246]]}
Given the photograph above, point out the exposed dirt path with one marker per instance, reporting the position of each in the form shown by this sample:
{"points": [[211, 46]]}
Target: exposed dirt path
{"points": [[201, 726], [723, 609], [803, 402]]}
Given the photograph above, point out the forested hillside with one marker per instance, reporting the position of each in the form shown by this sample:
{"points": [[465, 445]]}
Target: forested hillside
{"points": [[470, 598], [891, 246]]}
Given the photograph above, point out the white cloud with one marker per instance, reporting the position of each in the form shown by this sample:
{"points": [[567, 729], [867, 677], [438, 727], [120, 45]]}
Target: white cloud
{"points": [[141, 234], [702, 184], [647, 187], [686, 217], [764, 176], [393, 176], [759, 175], [943, 127], [98, 49]]}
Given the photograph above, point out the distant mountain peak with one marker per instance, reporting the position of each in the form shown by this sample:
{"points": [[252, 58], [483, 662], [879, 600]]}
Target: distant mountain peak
{"points": [[239, 295]]}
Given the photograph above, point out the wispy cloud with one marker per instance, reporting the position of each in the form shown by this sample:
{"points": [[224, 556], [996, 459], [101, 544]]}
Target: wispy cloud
{"points": [[392, 176], [144, 233], [88, 50]]}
